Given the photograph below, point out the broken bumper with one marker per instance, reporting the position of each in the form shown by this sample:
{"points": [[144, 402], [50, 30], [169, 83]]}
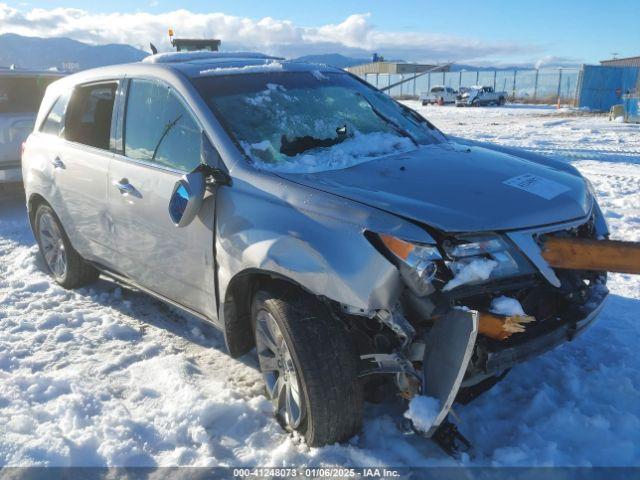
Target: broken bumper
{"points": [[498, 360]]}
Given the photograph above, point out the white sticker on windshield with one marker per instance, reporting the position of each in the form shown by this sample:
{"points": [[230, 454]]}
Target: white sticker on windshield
{"points": [[539, 186]]}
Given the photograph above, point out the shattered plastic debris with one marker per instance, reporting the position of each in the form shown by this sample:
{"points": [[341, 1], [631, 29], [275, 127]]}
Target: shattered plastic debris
{"points": [[478, 269], [422, 412]]}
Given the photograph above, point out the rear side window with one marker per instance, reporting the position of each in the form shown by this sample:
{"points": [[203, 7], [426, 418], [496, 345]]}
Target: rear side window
{"points": [[158, 127], [54, 123], [22, 94], [88, 118]]}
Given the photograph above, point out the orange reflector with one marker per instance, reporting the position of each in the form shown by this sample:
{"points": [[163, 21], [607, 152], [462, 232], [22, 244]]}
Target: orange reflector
{"points": [[400, 248]]}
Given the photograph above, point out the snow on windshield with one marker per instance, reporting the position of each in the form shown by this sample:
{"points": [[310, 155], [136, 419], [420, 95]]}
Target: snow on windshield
{"points": [[362, 147], [318, 122]]}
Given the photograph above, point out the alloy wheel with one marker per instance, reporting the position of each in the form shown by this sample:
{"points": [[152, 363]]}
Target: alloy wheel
{"points": [[278, 370], [52, 245]]}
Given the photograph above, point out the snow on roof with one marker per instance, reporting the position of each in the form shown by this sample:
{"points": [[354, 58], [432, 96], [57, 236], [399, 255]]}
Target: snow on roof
{"points": [[176, 57], [247, 68]]}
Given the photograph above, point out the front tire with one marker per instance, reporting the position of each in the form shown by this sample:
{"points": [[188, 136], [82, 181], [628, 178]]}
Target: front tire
{"points": [[309, 365], [63, 263]]}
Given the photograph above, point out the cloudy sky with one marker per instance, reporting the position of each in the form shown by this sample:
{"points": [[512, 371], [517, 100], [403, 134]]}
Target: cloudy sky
{"points": [[485, 31]]}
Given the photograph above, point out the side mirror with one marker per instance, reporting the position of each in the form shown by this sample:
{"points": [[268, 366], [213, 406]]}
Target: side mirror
{"points": [[187, 197], [188, 192]]}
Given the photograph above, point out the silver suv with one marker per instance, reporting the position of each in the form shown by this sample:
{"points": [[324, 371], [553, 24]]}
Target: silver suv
{"points": [[315, 219]]}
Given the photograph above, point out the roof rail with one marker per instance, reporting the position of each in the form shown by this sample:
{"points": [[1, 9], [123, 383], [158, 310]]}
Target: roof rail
{"points": [[177, 57]]}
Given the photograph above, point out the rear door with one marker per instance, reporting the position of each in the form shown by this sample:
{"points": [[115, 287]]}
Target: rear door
{"points": [[160, 143], [78, 156]]}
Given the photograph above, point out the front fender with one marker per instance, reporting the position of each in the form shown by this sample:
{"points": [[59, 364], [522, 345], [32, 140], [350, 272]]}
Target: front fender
{"points": [[313, 238]]}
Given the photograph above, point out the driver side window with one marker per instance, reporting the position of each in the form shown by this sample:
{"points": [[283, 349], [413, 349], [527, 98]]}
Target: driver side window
{"points": [[158, 128]]}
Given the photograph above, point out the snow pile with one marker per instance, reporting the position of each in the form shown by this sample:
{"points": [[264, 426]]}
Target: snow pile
{"points": [[358, 149], [509, 307], [478, 269], [422, 412]]}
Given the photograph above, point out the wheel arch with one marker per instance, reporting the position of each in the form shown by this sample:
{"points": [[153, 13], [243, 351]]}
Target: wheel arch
{"points": [[34, 201], [235, 309]]}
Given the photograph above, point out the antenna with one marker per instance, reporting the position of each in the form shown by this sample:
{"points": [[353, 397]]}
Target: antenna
{"points": [[615, 55]]}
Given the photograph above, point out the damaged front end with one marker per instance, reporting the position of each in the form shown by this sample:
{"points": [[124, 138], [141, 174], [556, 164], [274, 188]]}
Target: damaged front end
{"points": [[473, 307]]}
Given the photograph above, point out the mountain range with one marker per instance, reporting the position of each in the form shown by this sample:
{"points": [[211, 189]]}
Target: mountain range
{"points": [[62, 53], [67, 54]]}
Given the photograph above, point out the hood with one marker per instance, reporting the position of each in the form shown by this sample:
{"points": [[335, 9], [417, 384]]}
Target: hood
{"points": [[458, 188]]}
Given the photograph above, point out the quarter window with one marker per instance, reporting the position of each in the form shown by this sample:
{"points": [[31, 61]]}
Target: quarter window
{"points": [[88, 119], [54, 123], [158, 128]]}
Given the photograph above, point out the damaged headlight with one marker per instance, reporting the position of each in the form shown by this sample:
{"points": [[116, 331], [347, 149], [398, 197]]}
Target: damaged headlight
{"points": [[476, 259], [469, 260], [417, 263]]}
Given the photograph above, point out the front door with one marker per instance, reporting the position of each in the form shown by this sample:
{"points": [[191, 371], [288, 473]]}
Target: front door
{"points": [[161, 142]]}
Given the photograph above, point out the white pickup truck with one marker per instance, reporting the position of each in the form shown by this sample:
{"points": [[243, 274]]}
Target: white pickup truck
{"points": [[479, 95], [439, 94], [21, 92]]}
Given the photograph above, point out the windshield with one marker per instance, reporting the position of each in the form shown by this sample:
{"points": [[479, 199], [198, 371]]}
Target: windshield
{"points": [[312, 121]]}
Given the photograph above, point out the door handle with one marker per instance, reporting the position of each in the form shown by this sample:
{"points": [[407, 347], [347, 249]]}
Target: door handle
{"points": [[57, 163], [124, 186]]}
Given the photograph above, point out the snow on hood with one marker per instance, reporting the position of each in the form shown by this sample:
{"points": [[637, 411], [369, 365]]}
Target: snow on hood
{"points": [[458, 188]]}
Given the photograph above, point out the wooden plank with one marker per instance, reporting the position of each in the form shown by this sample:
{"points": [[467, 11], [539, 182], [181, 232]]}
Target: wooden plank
{"points": [[502, 327], [586, 254]]}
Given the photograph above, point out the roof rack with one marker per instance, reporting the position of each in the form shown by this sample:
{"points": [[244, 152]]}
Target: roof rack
{"points": [[177, 57]]}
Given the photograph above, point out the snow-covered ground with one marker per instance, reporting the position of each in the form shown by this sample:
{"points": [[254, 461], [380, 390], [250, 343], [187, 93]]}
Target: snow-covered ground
{"points": [[109, 376]]}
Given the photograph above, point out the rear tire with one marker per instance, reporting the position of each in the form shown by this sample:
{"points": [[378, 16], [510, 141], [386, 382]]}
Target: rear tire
{"points": [[63, 263], [298, 341]]}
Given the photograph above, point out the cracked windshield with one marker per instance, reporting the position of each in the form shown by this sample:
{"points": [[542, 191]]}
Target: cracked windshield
{"points": [[312, 121]]}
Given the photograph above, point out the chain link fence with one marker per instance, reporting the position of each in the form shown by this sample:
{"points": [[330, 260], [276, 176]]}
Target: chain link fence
{"points": [[526, 86]]}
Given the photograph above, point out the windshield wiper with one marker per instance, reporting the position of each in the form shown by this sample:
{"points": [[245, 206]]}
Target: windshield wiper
{"points": [[166, 130], [298, 145], [395, 126]]}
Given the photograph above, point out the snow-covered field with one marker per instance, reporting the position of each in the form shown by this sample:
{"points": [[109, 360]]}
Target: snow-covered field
{"points": [[106, 376]]}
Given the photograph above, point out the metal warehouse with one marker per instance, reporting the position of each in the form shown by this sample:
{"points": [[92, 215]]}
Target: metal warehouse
{"points": [[621, 62], [395, 68]]}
